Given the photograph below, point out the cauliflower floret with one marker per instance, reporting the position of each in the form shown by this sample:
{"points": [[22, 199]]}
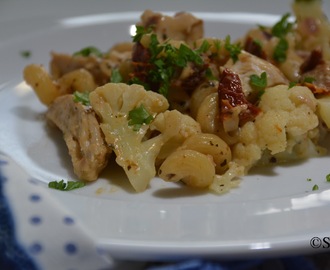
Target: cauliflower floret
{"points": [[175, 128], [134, 153], [286, 129]]}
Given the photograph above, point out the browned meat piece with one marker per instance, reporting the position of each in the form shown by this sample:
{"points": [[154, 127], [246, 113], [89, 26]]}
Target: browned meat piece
{"points": [[61, 64], [320, 76], [83, 136], [182, 26], [315, 58]]}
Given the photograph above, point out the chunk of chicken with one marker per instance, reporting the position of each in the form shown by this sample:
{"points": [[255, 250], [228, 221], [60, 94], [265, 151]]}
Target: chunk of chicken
{"points": [[82, 134], [182, 26], [320, 75], [62, 64]]}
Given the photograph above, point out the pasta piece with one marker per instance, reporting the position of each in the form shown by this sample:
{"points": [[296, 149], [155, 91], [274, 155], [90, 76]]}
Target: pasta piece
{"points": [[223, 183], [41, 82], [198, 96], [324, 109], [77, 80], [212, 145], [193, 168]]}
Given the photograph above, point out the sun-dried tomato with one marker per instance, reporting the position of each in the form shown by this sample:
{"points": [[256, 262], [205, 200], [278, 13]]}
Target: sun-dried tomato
{"points": [[254, 48], [314, 59], [231, 95]]}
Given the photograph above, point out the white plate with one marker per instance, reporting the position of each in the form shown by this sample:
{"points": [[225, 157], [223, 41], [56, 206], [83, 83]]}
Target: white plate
{"points": [[273, 212]]}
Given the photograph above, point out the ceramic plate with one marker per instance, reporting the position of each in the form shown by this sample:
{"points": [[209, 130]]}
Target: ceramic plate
{"points": [[273, 212]]}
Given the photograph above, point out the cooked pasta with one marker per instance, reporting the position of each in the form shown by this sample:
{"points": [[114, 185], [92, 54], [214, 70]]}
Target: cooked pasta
{"points": [[188, 108]]}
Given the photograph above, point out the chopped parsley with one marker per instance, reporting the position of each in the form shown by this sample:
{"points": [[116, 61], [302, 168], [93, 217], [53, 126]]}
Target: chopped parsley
{"points": [[89, 51], [309, 179], [166, 60], [282, 27], [259, 83], [280, 30], [233, 49], [279, 54], [26, 54], [139, 116], [305, 80], [292, 84], [65, 186], [328, 177], [116, 76], [140, 31], [309, 79], [315, 187], [81, 98]]}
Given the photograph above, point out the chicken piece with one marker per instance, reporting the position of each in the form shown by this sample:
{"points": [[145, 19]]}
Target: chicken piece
{"points": [[320, 76], [182, 26], [62, 64], [248, 65], [82, 134]]}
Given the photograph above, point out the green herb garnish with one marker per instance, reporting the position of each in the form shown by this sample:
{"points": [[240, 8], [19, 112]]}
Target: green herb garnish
{"points": [[26, 54], [166, 61], [309, 79], [81, 98], [280, 30], [69, 185], [282, 27], [279, 54], [309, 179], [89, 51], [233, 49], [140, 31], [139, 116], [259, 83], [315, 187], [292, 84], [328, 177], [116, 76]]}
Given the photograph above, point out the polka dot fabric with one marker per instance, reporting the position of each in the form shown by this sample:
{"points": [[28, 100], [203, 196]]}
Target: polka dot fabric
{"points": [[37, 232]]}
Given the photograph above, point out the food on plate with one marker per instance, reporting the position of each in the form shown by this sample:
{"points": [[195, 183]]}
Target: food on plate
{"points": [[187, 108]]}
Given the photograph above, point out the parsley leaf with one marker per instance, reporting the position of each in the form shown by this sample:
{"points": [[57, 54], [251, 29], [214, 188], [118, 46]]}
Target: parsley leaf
{"points": [[233, 49], [315, 187], [88, 51], [69, 185], [292, 84], [26, 53], [81, 97], [309, 79], [279, 54], [328, 177], [280, 30], [282, 27], [139, 116], [166, 61], [116, 76], [259, 83], [140, 31]]}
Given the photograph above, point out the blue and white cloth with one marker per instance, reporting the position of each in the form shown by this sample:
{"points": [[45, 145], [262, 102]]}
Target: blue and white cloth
{"points": [[37, 233]]}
